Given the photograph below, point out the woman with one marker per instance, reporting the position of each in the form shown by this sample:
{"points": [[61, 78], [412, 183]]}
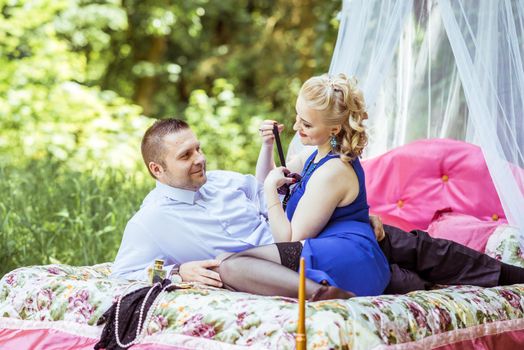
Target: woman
{"points": [[326, 220]]}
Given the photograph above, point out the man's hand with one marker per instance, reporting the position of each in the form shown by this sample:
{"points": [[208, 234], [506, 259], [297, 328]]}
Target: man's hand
{"points": [[199, 271], [377, 226]]}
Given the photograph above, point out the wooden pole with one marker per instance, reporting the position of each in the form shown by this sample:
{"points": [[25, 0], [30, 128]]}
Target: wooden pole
{"points": [[301, 326]]}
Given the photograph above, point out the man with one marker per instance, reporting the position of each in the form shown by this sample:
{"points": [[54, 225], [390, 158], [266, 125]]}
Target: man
{"points": [[192, 216]]}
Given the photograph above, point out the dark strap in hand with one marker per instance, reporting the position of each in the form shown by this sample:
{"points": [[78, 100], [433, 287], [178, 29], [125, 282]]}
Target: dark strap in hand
{"points": [[279, 145], [284, 189]]}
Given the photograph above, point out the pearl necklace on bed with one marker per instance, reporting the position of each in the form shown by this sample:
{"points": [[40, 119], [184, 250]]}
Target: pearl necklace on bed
{"points": [[140, 329]]}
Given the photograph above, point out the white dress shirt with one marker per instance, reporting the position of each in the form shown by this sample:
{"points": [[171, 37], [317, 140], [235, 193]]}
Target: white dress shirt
{"points": [[227, 214]]}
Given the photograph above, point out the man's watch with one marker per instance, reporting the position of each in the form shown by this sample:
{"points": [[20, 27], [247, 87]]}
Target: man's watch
{"points": [[174, 274]]}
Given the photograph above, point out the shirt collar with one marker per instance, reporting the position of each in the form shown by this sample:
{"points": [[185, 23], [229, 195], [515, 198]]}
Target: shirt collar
{"points": [[177, 194]]}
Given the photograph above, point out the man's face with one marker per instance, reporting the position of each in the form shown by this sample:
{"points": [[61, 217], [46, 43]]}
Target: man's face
{"points": [[185, 164]]}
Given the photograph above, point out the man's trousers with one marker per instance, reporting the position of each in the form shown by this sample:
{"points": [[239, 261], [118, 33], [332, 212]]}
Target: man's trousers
{"points": [[418, 262]]}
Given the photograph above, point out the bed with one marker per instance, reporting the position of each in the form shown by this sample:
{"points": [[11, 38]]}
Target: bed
{"points": [[57, 306]]}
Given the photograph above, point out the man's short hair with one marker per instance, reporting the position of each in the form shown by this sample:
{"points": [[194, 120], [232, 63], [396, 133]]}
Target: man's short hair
{"points": [[153, 148]]}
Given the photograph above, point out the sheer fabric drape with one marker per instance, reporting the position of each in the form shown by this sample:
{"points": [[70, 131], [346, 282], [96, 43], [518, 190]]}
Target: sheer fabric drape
{"points": [[441, 68], [487, 42], [406, 70]]}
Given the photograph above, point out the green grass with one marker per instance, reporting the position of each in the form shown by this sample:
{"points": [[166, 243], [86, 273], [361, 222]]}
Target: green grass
{"points": [[51, 214]]}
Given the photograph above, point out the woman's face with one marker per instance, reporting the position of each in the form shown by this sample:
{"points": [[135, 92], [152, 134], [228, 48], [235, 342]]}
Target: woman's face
{"points": [[310, 125]]}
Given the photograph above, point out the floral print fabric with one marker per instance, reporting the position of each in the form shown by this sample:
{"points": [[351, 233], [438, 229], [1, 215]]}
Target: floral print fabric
{"points": [[504, 245], [82, 294]]}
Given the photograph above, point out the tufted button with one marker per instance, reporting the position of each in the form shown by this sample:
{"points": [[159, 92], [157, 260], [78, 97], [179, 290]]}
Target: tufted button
{"points": [[494, 217], [445, 178], [400, 203]]}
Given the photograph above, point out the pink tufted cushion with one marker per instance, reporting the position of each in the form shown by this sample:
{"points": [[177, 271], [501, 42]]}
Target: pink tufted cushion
{"points": [[464, 229], [415, 181]]}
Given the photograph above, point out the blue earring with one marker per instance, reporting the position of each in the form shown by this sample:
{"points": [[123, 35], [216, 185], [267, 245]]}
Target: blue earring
{"points": [[333, 142]]}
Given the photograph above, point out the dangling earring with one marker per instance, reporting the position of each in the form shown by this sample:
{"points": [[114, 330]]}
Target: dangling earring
{"points": [[333, 142]]}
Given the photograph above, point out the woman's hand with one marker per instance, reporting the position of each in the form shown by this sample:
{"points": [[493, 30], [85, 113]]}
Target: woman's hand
{"points": [[277, 177], [265, 162], [266, 131]]}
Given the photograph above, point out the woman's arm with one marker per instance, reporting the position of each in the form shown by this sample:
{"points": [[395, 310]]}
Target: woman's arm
{"points": [[324, 192], [334, 184], [266, 162], [278, 222]]}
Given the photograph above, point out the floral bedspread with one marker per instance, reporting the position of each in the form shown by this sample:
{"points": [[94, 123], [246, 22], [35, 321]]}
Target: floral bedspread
{"points": [[82, 294]]}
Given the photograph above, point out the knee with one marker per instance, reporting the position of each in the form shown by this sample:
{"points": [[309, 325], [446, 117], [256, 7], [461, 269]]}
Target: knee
{"points": [[228, 266], [223, 256]]}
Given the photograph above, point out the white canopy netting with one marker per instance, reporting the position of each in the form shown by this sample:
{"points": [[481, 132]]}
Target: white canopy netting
{"points": [[442, 68]]}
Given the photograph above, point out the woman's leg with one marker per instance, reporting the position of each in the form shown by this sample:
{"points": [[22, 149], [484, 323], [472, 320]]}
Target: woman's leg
{"points": [[259, 271]]}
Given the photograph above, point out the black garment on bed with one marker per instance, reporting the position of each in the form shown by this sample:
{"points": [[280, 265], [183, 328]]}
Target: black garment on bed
{"points": [[128, 317], [419, 262]]}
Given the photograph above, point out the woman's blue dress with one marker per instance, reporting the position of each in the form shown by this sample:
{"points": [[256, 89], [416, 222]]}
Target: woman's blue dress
{"points": [[345, 253]]}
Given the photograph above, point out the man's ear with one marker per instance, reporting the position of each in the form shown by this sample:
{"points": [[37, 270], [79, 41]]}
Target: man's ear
{"points": [[156, 169]]}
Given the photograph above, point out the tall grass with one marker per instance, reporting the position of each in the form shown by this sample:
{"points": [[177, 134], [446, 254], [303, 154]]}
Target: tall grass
{"points": [[49, 213]]}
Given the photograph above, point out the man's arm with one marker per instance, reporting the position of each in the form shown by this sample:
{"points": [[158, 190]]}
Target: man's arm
{"points": [[138, 251], [253, 189], [378, 227], [193, 271]]}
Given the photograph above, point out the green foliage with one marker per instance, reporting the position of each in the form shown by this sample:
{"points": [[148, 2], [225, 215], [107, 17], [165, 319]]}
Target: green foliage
{"points": [[49, 213], [78, 76], [171, 48], [50, 113], [227, 127]]}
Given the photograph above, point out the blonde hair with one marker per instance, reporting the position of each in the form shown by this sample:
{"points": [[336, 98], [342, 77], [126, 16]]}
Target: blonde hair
{"points": [[343, 105]]}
